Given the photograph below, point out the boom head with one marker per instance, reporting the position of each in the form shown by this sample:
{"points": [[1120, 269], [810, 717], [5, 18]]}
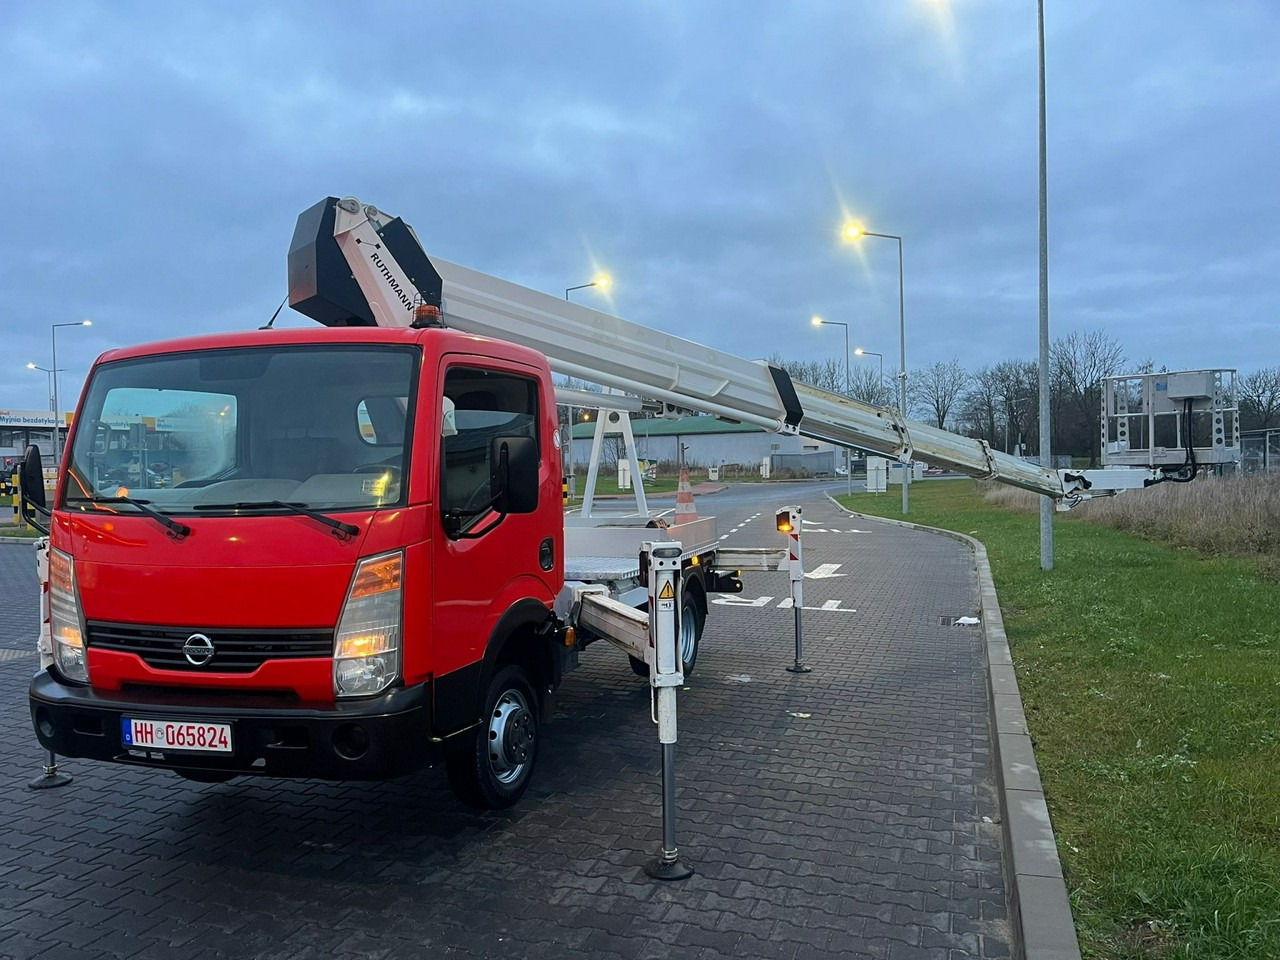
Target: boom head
{"points": [[321, 284]]}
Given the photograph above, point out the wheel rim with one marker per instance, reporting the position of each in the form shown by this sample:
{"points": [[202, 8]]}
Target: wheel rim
{"points": [[688, 633], [511, 736]]}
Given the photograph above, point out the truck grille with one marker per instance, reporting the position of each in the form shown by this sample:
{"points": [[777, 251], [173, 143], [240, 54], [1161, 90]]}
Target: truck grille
{"points": [[235, 650]]}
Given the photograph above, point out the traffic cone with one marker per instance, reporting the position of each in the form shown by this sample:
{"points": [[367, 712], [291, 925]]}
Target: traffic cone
{"points": [[686, 512]]}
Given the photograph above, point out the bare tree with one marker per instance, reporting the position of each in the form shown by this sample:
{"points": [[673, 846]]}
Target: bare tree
{"points": [[869, 388], [1018, 384], [826, 374], [1081, 360], [567, 415], [980, 406], [936, 389], [1258, 395]]}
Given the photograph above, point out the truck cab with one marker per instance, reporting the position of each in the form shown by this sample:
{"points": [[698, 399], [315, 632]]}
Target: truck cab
{"points": [[329, 552]]}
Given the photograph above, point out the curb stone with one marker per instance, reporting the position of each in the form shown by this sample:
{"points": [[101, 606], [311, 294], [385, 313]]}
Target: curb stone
{"points": [[1037, 890]]}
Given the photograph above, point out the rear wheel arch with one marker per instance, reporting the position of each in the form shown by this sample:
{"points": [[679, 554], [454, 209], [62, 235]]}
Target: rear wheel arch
{"points": [[696, 584], [693, 618]]}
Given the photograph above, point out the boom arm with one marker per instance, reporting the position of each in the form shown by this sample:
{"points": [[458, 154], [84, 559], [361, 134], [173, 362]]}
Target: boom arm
{"points": [[351, 264]]}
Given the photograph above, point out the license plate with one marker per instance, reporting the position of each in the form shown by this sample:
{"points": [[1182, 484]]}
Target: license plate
{"points": [[192, 735]]}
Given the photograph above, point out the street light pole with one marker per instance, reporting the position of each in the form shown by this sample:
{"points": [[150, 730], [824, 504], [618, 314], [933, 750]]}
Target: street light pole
{"points": [[49, 381], [848, 387], [853, 232], [601, 280], [859, 352], [1046, 456], [57, 413]]}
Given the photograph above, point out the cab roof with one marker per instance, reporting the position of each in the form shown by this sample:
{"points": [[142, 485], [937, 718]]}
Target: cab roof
{"points": [[442, 338]]}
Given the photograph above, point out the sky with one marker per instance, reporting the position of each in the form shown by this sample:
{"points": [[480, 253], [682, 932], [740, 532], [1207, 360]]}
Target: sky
{"points": [[705, 154]]}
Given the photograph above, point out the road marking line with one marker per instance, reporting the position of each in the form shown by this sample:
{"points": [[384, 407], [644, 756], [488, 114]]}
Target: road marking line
{"points": [[825, 571]]}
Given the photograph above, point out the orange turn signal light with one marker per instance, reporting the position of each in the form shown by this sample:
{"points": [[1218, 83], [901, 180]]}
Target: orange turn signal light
{"points": [[377, 576]]}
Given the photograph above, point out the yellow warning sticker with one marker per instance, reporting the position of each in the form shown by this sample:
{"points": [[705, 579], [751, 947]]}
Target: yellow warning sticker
{"points": [[667, 592]]}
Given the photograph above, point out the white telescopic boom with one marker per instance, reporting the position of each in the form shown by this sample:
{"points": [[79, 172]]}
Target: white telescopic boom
{"points": [[394, 275]]}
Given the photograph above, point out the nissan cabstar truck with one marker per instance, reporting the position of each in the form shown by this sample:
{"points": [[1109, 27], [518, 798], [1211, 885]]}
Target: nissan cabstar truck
{"points": [[341, 552]]}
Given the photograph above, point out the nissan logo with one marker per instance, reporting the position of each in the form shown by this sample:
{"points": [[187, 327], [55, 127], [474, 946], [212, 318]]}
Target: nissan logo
{"points": [[198, 650]]}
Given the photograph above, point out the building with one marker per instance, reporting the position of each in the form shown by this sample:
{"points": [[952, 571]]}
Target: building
{"points": [[20, 428]]}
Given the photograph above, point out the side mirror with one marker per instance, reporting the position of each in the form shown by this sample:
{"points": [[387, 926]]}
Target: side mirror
{"points": [[514, 474], [31, 487]]}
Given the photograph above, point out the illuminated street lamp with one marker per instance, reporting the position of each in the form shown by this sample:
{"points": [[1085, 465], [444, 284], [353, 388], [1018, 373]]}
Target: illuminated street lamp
{"points": [[859, 352], [848, 458], [36, 366], [855, 231], [57, 413], [601, 280]]}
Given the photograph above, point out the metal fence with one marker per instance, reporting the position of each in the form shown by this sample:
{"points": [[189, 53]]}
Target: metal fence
{"points": [[1260, 452]]}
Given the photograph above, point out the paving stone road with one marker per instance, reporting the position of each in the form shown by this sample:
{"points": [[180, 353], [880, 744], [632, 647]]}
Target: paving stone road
{"points": [[840, 814]]}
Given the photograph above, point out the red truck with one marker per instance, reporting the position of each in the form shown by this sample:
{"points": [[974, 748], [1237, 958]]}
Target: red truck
{"points": [[350, 563], [341, 552], [358, 557]]}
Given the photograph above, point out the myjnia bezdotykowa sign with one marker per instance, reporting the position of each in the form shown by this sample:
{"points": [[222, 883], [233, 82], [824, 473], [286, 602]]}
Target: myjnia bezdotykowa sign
{"points": [[29, 418], [43, 418]]}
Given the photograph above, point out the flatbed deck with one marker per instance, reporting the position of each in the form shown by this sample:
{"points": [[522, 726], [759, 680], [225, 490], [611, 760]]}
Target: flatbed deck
{"points": [[608, 548]]}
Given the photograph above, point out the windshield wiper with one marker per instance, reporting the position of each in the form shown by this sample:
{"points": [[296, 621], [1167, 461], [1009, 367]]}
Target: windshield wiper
{"points": [[176, 530], [340, 529]]}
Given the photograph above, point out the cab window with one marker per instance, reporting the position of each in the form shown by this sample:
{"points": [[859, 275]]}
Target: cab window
{"points": [[480, 406]]}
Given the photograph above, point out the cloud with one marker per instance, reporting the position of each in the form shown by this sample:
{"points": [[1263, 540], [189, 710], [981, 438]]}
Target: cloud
{"points": [[158, 156]]}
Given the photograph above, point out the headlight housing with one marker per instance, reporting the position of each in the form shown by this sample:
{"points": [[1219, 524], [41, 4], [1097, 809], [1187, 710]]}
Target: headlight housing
{"points": [[65, 621], [366, 648]]}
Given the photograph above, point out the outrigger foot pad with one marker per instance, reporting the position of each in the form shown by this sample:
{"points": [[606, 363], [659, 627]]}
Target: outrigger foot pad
{"points": [[663, 869]]}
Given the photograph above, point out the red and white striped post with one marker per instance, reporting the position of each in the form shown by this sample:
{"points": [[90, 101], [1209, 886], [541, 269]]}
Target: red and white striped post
{"points": [[790, 520], [686, 509]]}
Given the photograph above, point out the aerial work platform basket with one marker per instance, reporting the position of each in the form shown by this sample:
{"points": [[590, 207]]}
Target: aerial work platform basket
{"points": [[1167, 419]]}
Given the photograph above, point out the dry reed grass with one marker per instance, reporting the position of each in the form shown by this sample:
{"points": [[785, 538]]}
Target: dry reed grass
{"points": [[1230, 516]]}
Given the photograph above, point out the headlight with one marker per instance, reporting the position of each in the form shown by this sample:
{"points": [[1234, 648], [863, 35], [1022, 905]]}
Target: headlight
{"points": [[366, 648], [65, 623]]}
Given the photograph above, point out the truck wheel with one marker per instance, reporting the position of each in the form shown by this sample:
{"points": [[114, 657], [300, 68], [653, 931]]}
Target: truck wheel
{"points": [[693, 618], [491, 767]]}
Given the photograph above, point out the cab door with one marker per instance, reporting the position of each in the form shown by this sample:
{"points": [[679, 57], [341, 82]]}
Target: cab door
{"points": [[485, 563]]}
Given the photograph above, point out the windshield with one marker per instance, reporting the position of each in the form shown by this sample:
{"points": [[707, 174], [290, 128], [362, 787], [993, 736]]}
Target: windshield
{"points": [[328, 427]]}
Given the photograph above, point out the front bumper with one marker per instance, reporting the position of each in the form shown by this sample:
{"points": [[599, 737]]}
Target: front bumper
{"points": [[272, 735]]}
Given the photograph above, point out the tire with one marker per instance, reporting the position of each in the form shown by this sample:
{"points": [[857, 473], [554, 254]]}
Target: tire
{"points": [[206, 776], [490, 768], [693, 617]]}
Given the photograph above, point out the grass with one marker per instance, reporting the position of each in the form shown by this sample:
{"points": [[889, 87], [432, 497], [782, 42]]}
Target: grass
{"points": [[1150, 673], [12, 530], [1219, 516], [608, 485]]}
